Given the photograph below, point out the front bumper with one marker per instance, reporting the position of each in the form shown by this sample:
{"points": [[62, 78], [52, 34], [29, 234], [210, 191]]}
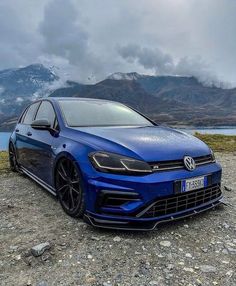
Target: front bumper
{"points": [[136, 196], [123, 223]]}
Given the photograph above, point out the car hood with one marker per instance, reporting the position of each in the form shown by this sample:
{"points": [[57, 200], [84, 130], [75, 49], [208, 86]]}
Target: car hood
{"points": [[151, 143]]}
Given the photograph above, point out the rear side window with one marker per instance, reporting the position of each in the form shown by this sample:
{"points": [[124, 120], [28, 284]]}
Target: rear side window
{"points": [[46, 111], [29, 116]]}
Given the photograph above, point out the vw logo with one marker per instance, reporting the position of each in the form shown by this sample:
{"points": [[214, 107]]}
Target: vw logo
{"points": [[189, 163]]}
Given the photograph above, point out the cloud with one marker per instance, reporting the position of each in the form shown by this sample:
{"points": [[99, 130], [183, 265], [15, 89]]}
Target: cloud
{"points": [[160, 63], [19, 100], [149, 58], [2, 89], [65, 38], [80, 37]]}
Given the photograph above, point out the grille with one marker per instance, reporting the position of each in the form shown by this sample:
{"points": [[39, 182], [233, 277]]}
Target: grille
{"points": [[181, 202], [179, 164]]}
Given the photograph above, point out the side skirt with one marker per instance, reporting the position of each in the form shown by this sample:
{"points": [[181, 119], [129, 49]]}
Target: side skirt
{"points": [[39, 181]]}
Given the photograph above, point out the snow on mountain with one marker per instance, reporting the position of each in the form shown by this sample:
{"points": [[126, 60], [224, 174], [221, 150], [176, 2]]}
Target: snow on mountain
{"points": [[19, 86], [125, 76]]}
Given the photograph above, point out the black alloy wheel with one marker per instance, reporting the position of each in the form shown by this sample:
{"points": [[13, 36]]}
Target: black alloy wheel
{"points": [[12, 158], [69, 188]]}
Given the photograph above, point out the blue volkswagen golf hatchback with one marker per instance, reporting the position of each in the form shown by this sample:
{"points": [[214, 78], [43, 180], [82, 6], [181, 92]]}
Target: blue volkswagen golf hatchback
{"points": [[112, 165]]}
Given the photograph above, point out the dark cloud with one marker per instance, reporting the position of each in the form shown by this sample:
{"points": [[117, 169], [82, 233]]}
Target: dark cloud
{"points": [[149, 58], [64, 36], [162, 63], [17, 42]]}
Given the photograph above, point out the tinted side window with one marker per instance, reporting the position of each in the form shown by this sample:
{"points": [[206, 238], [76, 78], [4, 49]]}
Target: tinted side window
{"points": [[46, 111], [29, 116]]}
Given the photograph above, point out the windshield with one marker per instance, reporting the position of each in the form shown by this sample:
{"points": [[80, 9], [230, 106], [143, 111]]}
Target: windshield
{"points": [[79, 113]]}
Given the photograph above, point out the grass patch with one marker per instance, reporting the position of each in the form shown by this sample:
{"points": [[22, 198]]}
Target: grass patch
{"points": [[219, 142], [4, 164]]}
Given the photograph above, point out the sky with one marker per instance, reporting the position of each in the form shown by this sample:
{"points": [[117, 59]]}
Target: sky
{"points": [[87, 40]]}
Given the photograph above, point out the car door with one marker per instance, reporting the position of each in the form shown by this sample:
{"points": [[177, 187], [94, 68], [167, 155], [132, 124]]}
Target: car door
{"points": [[41, 141], [22, 142]]}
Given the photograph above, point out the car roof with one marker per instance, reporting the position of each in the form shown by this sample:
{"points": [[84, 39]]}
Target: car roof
{"points": [[78, 99]]}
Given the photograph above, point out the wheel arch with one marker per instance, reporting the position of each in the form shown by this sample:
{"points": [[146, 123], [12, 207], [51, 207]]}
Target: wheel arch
{"points": [[58, 158], [11, 143]]}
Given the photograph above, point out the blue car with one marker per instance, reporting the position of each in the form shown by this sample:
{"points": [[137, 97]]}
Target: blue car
{"points": [[112, 165]]}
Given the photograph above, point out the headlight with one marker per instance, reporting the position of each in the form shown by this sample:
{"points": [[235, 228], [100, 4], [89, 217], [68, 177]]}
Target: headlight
{"points": [[113, 163]]}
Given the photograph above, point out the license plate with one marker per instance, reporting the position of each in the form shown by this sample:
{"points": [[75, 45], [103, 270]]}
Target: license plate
{"points": [[194, 184]]}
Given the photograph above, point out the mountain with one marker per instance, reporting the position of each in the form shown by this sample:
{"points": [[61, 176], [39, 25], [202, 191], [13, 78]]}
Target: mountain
{"points": [[172, 100], [125, 76], [18, 87]]}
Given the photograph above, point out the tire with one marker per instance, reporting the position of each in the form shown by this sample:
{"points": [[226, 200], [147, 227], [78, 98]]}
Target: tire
{"points": [[69, 188], [12, 158]]}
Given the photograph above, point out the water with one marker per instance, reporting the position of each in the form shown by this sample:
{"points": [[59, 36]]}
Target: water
{"points": [[224, 131], [4, 136]]}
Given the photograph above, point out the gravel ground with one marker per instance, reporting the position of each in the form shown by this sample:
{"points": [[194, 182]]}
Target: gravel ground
{"points": [[196, 251]]}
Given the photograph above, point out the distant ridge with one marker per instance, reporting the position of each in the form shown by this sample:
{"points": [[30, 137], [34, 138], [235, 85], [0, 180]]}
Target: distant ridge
{"points": [[173, 100]]}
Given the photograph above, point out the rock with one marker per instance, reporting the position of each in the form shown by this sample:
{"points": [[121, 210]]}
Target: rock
{"points": [[189, 255], [188, 269], [91, 280], [144, 248], [18, 257], [198, 282], [229, 273], [10, 206], [165, 243], [204, 249], [39, 249], [154, 283], [208, 268], [170, 266], [95, 238], [42, 283], [225, 225], [231, 250], [228, 189], [225, 251], [118, 277], [45, 256], [106, 283], [117, 239], [89, 256]]}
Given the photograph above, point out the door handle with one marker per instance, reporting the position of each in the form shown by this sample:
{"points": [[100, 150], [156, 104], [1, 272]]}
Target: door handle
{"points": [[29, 133], [17, 130]]}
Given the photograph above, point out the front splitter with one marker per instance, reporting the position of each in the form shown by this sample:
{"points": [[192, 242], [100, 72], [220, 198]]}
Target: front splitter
{"points": [[145, 225]]}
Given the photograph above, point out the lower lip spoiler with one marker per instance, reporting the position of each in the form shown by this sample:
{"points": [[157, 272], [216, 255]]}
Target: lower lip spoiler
{"points": [[142, 225]]}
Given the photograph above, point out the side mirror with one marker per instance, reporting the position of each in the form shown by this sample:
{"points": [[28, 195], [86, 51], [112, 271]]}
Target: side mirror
{"points": [[41, 124]]}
